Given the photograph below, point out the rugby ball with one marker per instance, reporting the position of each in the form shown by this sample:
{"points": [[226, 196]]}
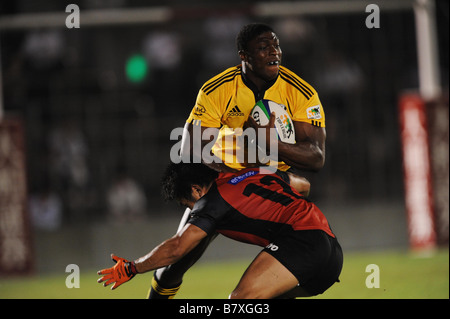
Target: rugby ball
{"points": [[283, 122]]}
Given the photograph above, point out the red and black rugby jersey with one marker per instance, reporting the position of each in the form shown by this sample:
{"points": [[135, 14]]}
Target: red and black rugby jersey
{"points": [[253, 207]]}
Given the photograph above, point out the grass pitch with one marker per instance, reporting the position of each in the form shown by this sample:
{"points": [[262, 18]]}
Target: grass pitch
{"points": [[401, 276]]}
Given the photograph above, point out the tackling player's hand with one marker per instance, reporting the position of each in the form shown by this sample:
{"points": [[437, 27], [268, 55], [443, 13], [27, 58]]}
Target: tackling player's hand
{"points": [[122, 271]]}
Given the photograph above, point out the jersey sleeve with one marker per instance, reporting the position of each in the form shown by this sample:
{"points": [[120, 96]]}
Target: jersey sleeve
{"points": [[209, 211], [309, 110], [206, 111], [302, 99]]}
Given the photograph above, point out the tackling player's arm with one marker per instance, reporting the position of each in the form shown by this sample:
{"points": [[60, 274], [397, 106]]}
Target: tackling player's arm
{"points": [[171, 250], [167, 253]]}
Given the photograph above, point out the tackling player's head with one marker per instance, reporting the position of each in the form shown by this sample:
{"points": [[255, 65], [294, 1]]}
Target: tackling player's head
{"points": [[181, 180], [259, 49]]}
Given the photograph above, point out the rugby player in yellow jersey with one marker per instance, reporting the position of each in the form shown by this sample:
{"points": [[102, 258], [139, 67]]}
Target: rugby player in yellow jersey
{"points": [[226, 100]]}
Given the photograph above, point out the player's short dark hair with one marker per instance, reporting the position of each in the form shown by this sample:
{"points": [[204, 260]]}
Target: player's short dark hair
{"points": [[178, 179], [249, 32]]}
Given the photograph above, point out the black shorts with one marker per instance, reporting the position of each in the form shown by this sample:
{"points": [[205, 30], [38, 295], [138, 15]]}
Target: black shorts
{"points": [[312, 256]]}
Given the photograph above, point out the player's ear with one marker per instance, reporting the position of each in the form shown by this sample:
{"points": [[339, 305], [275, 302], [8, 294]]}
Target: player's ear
{"points": [[197, 192], [242, 55]]}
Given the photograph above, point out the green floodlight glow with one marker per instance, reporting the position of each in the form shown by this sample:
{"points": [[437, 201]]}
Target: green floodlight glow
{"points": [[136, 68]]}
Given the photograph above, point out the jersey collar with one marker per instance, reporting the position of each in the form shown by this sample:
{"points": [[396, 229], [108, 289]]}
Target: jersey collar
{"points": [[252, 86]]}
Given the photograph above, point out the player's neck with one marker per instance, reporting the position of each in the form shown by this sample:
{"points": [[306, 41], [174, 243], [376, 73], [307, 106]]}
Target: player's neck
{"points": [[255, 83]]}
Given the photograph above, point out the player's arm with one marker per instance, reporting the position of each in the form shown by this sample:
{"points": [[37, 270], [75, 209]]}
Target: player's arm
{"points": [[202, 127], [167, 253], [308, 153], [204, 152], [171, 250]]}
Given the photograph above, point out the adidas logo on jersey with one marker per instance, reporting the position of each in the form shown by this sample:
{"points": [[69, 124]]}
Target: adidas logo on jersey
{"points": [[235, 111]]}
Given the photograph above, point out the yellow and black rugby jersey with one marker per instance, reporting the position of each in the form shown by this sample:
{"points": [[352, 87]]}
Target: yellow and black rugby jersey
{"points": [[226, 100]]}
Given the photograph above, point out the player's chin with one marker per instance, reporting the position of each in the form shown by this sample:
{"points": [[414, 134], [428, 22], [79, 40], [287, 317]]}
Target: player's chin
{"points": [[270, 73]]}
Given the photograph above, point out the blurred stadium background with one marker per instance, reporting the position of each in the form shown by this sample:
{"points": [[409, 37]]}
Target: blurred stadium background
{"points": [[86, 114]]}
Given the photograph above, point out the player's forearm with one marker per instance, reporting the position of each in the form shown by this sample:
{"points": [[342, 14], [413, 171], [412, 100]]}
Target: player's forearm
{"points": [[167, 253], [302, 155]]}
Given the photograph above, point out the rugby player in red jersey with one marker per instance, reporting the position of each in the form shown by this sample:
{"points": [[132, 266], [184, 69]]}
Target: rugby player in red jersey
{"points": [[301, 255]]}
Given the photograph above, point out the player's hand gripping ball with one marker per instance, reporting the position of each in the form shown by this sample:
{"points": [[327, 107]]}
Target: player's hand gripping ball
{"points": [[283, 123], [120, 273]]}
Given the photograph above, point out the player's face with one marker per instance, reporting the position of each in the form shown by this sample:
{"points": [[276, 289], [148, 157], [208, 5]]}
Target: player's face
{"points": [[187, 203], [263, 57], [197, 192]]}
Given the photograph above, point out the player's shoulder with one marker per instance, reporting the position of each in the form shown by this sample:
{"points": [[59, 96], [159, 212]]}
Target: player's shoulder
{"points": [[295, 81], [212, 201], [222, 78]]}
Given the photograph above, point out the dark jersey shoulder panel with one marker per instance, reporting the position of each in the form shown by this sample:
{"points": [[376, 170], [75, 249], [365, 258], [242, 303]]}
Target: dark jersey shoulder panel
{"points": [[208, 210]]}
